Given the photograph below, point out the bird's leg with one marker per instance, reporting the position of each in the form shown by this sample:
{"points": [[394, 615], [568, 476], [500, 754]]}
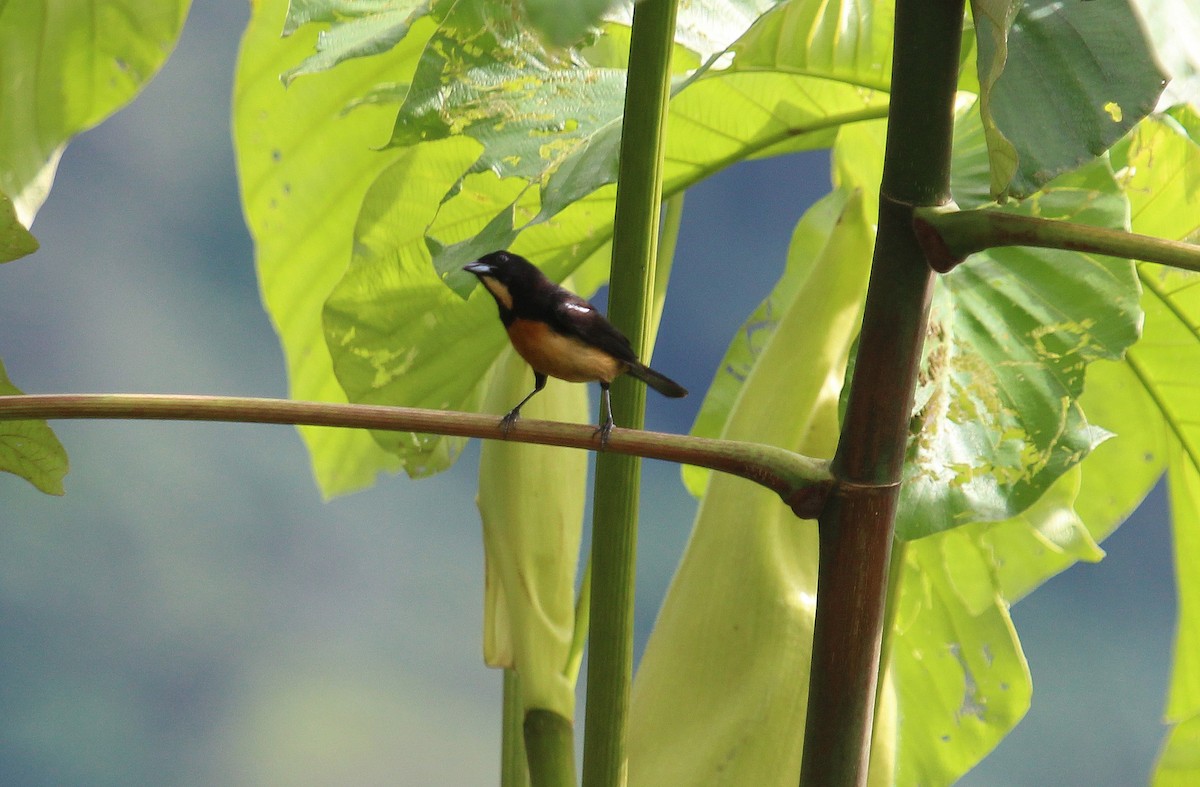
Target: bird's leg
{"points": [[506, 423], [607, 424]]}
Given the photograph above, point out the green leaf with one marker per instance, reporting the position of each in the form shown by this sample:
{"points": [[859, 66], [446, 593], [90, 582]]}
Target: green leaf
{"points": [[63, 71], [1119, 474], [531, 499], [1179, 763], [961, 677], [1160, 168], [486, 76], [835, 228], [1011, 333], [1183, 699], [15, 240], [556, 122], [564, 24], [993, 21], [29, 449], [720, 695], [358, 29], [301, 191], [999, 563], [1083, 69], [845, 40], [396, 333]]}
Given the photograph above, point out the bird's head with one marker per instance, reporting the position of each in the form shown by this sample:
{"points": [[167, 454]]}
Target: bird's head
{"points": [[503, 272]]}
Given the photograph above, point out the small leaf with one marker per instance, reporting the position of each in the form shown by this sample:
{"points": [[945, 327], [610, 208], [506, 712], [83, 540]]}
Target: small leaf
{"points": [[358, 29], [15, 240], [1084, 69], [29, 449], [993, 20]]}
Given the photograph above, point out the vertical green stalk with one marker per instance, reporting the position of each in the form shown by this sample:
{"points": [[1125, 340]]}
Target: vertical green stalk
{"points": [[856, 528], [614, 536], [550, 744], [513, 771]]}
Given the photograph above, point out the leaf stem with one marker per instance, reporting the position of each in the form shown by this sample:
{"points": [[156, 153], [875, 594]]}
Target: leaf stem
{"points": [[949, 236]]}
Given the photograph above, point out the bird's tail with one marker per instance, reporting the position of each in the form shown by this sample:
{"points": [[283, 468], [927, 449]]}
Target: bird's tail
{"points": [[664, 385]]}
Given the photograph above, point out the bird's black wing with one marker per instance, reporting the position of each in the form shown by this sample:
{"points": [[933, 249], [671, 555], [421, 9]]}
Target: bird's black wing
{"points": [[573, 316]]}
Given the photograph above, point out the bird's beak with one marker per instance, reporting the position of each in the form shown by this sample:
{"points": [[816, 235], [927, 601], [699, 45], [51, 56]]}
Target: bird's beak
{"points": [[478, 267]]}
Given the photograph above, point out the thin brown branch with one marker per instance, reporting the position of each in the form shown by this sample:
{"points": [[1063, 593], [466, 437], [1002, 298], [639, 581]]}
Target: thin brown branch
{"points": [[801, 481]]}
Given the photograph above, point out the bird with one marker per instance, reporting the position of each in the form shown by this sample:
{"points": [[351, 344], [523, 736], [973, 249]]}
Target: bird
{"points": [[560, 334]]}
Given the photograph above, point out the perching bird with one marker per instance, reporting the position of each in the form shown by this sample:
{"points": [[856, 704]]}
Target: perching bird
{"points": [[560, 334]]}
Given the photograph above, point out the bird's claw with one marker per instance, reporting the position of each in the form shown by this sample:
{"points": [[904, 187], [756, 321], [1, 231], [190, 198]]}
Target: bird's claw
{"points": [[604, 430], [506, 423]]}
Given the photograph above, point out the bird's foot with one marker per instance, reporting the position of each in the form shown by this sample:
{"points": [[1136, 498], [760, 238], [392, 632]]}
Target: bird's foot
{"points": [[506, 423], [604, 430]]}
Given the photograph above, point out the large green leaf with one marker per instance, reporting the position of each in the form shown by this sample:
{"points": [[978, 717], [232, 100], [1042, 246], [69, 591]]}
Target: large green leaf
{"points": [[303, 168], [29, 449], [1011, 334], [534, 109], [809, 242], [63, 69], [531, 499], [720, 694], [1160, 168], [1061, 83], [542, 114]]}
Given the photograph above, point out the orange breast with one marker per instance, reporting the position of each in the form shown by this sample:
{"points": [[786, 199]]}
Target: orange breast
{"points": [[564, 357]]}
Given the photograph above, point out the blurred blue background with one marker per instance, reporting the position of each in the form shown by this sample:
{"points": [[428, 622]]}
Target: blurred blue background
{"points": [[192, 612]]}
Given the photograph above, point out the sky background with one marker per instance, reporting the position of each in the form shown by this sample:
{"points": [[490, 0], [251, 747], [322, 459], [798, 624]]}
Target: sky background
{"points": [[192, 612]]}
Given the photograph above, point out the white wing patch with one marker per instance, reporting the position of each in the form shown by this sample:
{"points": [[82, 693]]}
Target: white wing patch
{"points": [[579, 307]]}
